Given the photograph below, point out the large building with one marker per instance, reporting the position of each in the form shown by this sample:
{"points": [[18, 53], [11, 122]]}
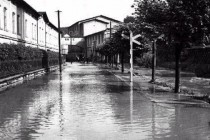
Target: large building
{"points": [[90, 34], [20, 23]]}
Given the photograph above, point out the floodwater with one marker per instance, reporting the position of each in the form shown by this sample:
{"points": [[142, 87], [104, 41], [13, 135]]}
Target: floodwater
{"points": [[88, 103]]}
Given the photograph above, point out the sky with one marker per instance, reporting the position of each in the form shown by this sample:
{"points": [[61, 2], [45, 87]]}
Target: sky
{"points": [[76, 10]]}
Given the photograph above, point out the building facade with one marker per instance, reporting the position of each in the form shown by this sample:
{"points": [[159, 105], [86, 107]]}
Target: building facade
{"points": [[20, 23], [94, 31]]}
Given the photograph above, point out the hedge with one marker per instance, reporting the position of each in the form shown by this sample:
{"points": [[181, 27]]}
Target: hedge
{"points": [[17, 59]]}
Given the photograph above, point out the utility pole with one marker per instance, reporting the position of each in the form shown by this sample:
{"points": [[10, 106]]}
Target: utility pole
{"points": [[110, 36], [59, 41], [153, 60]]}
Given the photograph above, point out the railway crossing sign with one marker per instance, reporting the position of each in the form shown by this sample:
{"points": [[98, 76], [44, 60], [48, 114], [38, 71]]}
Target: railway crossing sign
{"points": [[132, 40]]}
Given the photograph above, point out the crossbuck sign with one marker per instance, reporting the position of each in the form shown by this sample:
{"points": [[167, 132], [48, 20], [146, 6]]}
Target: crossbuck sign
{"points": [[132, 40]]}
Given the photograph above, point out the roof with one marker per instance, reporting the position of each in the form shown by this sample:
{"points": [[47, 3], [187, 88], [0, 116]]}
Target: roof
{"points": [[54, 27], [44, 15], [95, 18], [26, 7], [34, 13], [66, 36]]}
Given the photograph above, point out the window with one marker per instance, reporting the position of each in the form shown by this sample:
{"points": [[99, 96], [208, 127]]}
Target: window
{"points": [[26, 28], [32, 30], [18, 25], [0, 16], [99, 38], [35, 32], [102, 38], [13, 22], [5, 18]]}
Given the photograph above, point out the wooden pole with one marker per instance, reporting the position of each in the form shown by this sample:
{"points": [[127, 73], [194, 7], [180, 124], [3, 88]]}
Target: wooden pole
{"points": [[59, 41]]}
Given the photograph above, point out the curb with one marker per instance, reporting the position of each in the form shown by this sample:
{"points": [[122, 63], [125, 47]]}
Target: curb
{"points": [[12, 81]]}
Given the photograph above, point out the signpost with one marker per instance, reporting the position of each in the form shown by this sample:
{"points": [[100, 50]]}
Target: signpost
{"points": [[132, 40]]}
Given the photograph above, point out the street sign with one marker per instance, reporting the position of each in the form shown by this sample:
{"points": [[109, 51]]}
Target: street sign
{"points": [[125, 36], [134, 39]]}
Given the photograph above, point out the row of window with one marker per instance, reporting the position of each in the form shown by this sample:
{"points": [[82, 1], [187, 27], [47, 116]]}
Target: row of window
{"points": [[99, 38], [5, 19], [16, 22]]}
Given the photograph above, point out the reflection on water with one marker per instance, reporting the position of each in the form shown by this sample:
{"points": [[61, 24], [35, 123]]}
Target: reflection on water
{"points": [[86, 103]]}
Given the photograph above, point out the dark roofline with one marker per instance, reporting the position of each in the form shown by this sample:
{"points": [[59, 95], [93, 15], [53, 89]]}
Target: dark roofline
{"points": [[96, 20], [110, 18], [26, 7], [45, 17], [95, 33], [92, 18], [54, 27]]}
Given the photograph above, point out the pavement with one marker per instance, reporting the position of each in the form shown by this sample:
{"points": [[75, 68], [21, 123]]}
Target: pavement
{"points": [[193, 90]]}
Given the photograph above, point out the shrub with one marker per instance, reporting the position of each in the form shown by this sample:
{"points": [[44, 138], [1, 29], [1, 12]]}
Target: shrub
{"points": [[145, 60], [53, 58], [16, 59]]}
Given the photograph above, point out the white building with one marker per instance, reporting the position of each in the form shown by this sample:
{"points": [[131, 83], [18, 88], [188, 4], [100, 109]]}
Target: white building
{"points": [[95, 31], [20, 23]]}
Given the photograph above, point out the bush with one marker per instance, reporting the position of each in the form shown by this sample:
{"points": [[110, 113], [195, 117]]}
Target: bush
{"points": [[53, 58], [16, 59], [145, 60], [18, 52]]}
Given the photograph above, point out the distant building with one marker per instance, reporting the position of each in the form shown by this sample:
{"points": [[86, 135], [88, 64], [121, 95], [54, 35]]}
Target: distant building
{"points": [[91, 32], [20, 23]]}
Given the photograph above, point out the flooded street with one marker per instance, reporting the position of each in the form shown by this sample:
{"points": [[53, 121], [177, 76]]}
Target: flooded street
{"points": [[89, 103]]}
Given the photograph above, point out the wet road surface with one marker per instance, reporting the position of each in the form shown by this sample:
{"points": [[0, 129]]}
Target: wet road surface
{"points": [[89, 103]]}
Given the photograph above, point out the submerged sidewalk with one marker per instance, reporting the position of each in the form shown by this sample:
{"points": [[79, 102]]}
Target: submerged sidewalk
{"points": [[191, 86], [189, 83]]}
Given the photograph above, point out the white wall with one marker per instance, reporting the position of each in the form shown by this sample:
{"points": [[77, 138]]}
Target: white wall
{"points": [[31, 30], [93, 27], [41, 33], [8, 32], [113, 24], [51, 39]]}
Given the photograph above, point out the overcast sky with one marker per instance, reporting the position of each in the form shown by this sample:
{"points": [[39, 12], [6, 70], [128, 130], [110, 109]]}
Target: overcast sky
{"points": [[75, 10]]}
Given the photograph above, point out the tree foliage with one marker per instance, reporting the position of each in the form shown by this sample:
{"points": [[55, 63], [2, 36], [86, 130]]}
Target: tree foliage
{"points": [[183, 21]]}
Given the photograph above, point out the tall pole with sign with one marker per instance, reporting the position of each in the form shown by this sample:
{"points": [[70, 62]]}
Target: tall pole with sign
{"points": [[131, 56], [132, 40]]}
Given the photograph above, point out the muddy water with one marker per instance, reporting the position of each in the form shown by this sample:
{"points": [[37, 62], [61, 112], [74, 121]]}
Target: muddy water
{"points": [[87, 103]]}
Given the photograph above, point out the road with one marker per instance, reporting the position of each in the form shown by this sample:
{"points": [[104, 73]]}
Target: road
{"points": [[86, 102]]}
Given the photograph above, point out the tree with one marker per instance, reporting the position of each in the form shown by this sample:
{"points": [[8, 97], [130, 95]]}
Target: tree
{"points": [[183, 22], [129, 19]]}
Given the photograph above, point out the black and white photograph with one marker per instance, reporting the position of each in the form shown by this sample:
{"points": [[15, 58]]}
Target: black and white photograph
{"points": [[104, 70]]}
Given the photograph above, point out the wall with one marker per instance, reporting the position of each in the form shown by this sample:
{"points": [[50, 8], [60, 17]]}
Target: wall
{"points": [[41, 33], [28, 31], [51, 39], [93, 41], [93, 27]]}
